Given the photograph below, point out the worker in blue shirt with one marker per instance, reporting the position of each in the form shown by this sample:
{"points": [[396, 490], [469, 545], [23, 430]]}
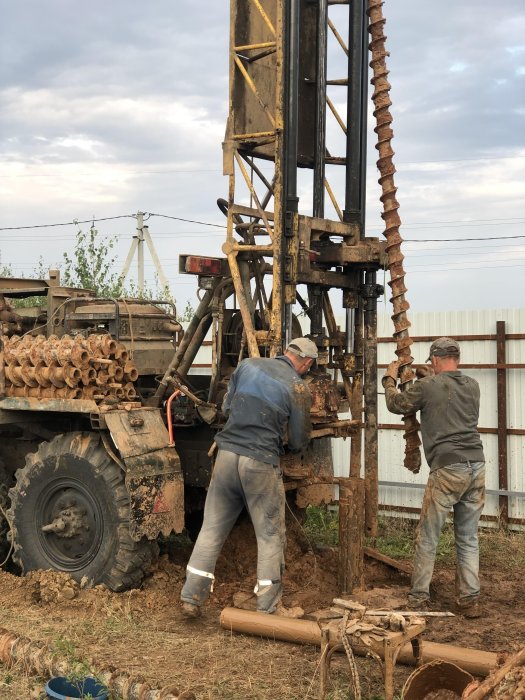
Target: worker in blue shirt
{"points": [[268, 406]]}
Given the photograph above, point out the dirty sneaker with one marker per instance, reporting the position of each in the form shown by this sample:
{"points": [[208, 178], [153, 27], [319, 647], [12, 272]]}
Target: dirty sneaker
{"points": [[295, 612], [190, 611], [470, 610]]}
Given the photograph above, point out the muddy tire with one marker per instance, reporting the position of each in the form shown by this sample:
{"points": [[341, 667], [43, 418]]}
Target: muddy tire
{"points": [[5, 482], [76, 492]]}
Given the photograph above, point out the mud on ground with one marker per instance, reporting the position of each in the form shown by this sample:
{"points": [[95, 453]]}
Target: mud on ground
{"points": [[142, 631]]}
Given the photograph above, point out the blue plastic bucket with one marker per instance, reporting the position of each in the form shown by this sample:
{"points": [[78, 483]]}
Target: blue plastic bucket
{"points": [[61, 688]]}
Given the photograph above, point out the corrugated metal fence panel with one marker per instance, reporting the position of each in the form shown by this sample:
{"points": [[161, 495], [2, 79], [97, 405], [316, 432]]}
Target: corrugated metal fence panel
{"points": [[391, 443]]}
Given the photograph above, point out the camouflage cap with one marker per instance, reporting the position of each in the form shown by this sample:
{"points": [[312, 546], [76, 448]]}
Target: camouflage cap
{"points": [[444, 347], [303, 347]]}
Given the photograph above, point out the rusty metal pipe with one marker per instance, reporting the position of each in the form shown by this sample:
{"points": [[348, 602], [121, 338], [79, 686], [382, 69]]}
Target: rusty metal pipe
{"points": [[371, 291], [351, 532], [129, 391], [475, 661], [70, 351], [88, 376], [483, 690], [65, 376], [130, 372], [392, 221], [102, 343], [356, 403], [199, 314], [121, 354]]}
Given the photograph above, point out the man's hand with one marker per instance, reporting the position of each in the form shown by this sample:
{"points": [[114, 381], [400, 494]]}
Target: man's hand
{"points": [[424, 371], [391, 374]]}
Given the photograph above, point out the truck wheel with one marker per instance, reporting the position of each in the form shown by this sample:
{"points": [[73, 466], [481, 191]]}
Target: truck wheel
{"points": [[70, 512], [5, 480]]}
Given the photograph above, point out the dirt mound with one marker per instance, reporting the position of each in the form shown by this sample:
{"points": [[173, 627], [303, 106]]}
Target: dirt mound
{"points": [[310, 578]]}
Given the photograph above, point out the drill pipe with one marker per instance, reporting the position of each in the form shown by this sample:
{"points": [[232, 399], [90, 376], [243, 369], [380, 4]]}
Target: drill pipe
{"points": [[392, 221], [40, 659]]}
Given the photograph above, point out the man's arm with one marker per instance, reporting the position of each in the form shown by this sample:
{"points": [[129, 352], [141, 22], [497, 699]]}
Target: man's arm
{"points": [[403, 402]]}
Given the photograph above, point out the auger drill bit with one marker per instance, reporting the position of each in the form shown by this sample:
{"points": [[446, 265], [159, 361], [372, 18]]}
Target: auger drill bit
{"points": [[390, 215], [40, 659]]}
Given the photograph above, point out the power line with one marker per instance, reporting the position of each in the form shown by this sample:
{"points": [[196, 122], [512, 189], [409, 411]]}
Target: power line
{"points": [[459, 160], [460, 240], [110, 218], [128, 172], [188, 221], [463, 221], [460, 269], [222, 226], [68, 223]]}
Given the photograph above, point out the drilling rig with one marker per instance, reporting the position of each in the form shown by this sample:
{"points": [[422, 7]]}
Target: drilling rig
{"points": [[295, 66], [108, 470]]}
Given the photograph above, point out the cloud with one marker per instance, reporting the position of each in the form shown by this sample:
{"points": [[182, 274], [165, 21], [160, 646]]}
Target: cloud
{"points": [[108, 108]]}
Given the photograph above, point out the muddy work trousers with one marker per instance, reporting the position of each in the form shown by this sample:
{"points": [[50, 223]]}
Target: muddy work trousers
{"points": [[461, 487], [239, 482]]}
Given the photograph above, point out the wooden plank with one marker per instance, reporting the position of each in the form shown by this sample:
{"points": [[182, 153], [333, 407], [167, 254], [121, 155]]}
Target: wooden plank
{"points": [[393, 563]]}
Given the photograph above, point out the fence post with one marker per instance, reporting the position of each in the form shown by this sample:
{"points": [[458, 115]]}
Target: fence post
{"points": [[503, 481]]}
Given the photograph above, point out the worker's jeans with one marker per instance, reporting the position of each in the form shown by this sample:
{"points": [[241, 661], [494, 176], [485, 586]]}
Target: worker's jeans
{"points": [[237, 482], [461, 487]]}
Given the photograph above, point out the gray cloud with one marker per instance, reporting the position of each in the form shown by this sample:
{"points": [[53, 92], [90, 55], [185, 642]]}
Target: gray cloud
{"points": [[104, 104]]}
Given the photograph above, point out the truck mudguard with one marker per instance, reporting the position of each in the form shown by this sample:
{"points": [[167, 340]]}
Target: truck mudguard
{"points": [[154, 477]]}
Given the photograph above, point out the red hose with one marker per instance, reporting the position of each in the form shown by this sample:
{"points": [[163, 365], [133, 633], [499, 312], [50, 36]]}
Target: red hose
{"points": [[176, 393]]}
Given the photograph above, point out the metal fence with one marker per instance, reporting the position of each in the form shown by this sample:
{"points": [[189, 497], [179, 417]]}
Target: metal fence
{"points": [[493, 352]]}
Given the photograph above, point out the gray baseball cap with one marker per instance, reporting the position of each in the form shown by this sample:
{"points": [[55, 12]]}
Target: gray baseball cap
{"points": [[303, 347], [444, 347]]}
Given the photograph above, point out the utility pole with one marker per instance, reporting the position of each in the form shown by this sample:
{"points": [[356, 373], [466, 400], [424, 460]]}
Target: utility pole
{"points": [[137, 246]]}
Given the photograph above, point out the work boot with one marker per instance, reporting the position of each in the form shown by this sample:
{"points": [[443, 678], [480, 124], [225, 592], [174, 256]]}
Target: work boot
{"points": [[190, 611], [471, 610], [296, 612], [244, 601], [418, 604]]}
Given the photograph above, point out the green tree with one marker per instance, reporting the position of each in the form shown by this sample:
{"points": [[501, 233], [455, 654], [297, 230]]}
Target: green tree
{"points": [[91, 263], [187, 314]]}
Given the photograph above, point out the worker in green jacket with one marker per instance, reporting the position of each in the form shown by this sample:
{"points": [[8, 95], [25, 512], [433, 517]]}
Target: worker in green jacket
{"points": [[449, 404]]}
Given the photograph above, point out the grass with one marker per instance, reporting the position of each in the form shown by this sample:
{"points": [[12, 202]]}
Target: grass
{"points": [[80, 669], [322, 525], [396, 537]]}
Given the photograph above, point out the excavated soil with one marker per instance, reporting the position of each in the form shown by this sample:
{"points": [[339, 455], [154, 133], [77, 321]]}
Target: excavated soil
{"points": [[142, 631]]}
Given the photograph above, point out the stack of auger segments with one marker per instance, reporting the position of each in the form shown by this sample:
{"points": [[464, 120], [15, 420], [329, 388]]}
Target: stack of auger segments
{"points": [[94, 367]]}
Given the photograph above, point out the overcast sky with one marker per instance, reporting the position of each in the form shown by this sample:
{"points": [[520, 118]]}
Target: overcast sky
{"points": [[108, 108]]}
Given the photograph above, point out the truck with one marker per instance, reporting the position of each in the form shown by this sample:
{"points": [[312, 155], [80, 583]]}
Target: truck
{"points": [[107, 420]]}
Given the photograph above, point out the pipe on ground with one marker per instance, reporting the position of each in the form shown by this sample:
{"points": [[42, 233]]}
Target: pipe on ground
{"points": [[474, 661]]}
